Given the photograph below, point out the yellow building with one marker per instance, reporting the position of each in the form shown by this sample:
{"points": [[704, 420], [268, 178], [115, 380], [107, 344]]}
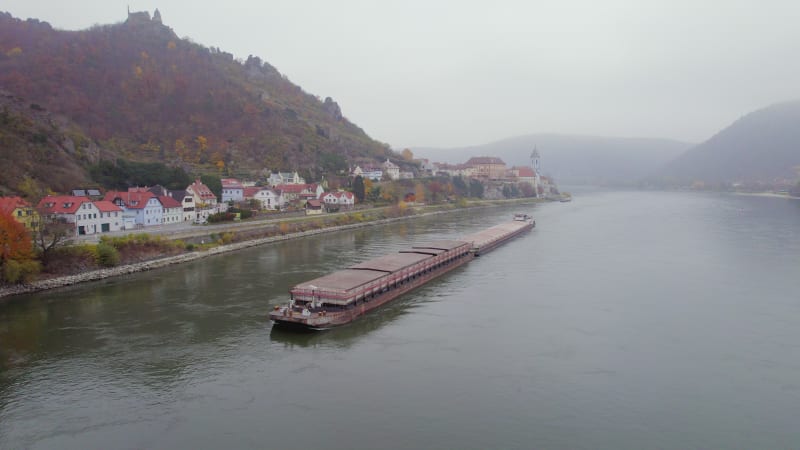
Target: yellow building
{"points": [[21, 210], [488, 167]]}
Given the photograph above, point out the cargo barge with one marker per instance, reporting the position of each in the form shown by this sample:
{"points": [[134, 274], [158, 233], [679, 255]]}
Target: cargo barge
{"points": [[340, 297]]}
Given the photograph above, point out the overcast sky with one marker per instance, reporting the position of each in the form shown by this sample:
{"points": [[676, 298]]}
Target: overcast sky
{"points": [[457, 73]]}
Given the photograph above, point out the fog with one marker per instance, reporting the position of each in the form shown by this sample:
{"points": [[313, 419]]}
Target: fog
{"points": [[457, 73]]}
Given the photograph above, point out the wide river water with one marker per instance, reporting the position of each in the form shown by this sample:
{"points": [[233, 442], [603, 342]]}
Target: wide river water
{"points": [[625, 320]]}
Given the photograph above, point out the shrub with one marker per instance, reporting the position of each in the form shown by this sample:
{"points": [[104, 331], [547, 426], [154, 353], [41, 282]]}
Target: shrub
{"points": [[221, 217], [107, 255], [12, 272], [20, 271]]}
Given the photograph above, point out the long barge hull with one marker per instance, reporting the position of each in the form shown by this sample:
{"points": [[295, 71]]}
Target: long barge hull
{"points": [[490, 238], [341, 297], [318, 320]]}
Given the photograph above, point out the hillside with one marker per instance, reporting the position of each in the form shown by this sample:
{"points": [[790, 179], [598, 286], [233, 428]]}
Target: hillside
{"points": [[142, 93], [763, 146], [574, 159], [36, 145]]}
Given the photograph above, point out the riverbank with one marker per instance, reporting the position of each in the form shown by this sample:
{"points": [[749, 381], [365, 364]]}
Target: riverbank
{"points": [[7, 292], [768, 194]]}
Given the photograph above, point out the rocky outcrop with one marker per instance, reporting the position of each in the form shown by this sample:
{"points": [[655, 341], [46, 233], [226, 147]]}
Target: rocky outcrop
{"points": [[332, 108]]}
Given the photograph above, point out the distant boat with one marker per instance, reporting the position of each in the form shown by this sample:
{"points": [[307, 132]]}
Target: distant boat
{"points": [[565, 198]]}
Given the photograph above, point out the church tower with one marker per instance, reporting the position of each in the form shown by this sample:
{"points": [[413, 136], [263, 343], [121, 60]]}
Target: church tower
{"points": [[536, 175], [535, 160]]}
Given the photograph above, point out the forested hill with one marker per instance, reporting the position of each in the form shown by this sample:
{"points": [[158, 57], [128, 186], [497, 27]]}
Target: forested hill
{"points": [[141, 92], [763, 146]]}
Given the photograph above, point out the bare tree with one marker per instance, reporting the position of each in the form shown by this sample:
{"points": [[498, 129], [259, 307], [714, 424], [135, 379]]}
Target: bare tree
{"points": [[52, 233]]}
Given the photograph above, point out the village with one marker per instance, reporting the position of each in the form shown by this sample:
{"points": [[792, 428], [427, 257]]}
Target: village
{"points": [[90, 211]]}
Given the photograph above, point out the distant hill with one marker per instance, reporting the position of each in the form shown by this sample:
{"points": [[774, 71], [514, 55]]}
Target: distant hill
{"points": [[574, 159], [142, 93], [762, 146]]}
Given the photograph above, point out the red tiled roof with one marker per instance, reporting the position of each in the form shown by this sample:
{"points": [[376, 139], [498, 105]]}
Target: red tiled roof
{"points": [[202, 190], [106, 206], [132, 200], [169, 202], [524, 171], [231, 183], [9, 204], [62, 204], [250, 192]]}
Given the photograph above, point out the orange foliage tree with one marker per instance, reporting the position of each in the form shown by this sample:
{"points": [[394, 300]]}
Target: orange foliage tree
{"points": [[16, 250]]}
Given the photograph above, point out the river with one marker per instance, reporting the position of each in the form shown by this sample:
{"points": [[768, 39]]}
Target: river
{"points": [[624, 320]]}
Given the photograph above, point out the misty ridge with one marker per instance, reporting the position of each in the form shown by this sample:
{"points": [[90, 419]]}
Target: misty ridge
{"points": [[761, 148]]}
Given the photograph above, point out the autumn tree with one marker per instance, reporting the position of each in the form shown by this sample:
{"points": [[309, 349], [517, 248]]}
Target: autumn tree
{"points": [[202, 148], [407, 154], [31, 189], [218, 159], [436, 189], [181, 150], [368, 187], [419, 193], [389, 192], [16, 251]]}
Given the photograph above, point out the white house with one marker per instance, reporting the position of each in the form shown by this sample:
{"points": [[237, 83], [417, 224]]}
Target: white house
{"points": [[456, 170], [110, 216], [269, 198], [88, 217], [232, 190], [278, 178], [426, 166], [173, 210], [205, 202], [341, 199], [372, 173], [300, 193], [187, 204], [391, 169], [139, 204]]}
